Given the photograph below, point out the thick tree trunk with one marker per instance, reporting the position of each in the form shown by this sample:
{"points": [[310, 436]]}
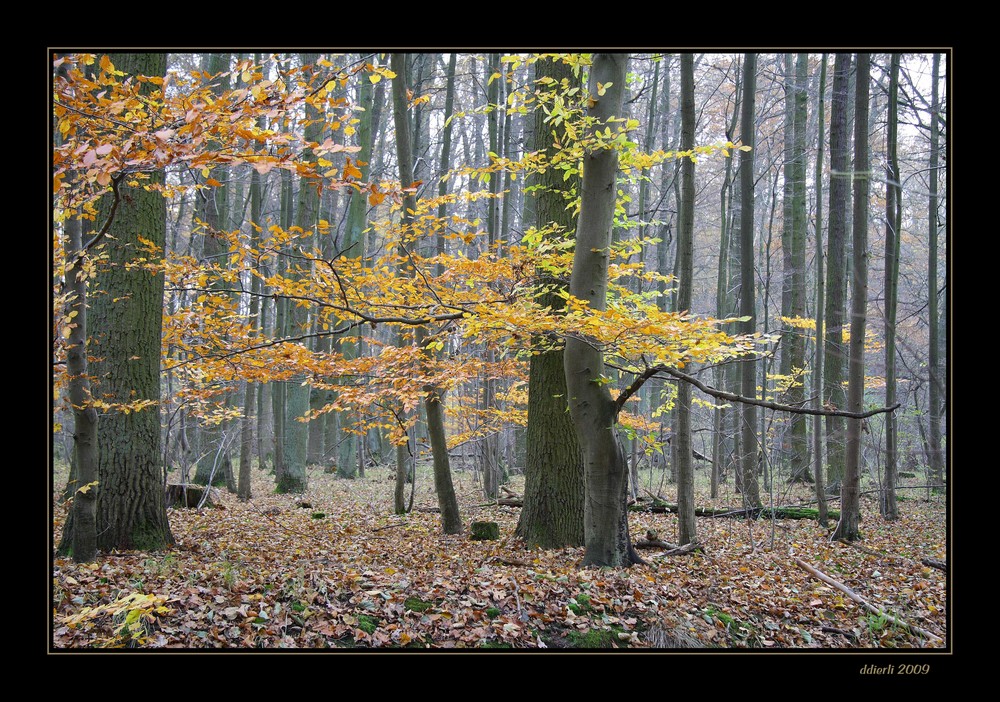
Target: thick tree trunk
{"points": [[593, 410], [296, 444], [126, 323], [798, 458], [553, 474]]}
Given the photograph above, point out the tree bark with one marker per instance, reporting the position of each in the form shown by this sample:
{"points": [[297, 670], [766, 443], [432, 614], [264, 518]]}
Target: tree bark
{"points": [[934, 403], [553, 474], [893, 210], [591, 406], [834, 354], [686, 529], [817, 388], [126, 323], [848, 528], [451, 522], [748, 368]]}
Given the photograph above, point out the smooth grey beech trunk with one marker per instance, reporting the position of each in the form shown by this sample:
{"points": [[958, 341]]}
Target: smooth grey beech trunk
{"points": [[849, 526], [893, 216], [685, 271], [593, 410], [748, 369], [834, 353], [451, 521]]}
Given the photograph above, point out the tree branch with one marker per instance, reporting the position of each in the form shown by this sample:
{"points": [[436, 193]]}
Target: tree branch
{"points": [[732, 397]]}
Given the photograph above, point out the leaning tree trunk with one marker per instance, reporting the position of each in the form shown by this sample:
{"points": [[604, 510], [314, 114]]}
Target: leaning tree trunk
{"points": [[593, 410], [848, 528]]}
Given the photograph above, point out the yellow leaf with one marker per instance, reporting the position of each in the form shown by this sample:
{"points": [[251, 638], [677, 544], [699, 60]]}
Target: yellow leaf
{"points": [[106, 65], [205, 171], [374, 78]]}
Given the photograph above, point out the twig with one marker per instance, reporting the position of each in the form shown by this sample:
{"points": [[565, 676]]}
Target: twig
{"points": [[864, 603]]}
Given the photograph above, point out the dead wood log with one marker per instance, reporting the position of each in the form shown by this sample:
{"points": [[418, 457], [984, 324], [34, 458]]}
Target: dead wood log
{"points": [[510, 502], [935, 563], [864, 603]]}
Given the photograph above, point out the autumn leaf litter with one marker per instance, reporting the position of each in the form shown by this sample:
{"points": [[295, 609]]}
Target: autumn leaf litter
{"points": [[273, 574]]}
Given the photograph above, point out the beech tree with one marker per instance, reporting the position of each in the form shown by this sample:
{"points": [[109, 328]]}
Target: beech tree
{"points": [[848, 528], [594, 412]]}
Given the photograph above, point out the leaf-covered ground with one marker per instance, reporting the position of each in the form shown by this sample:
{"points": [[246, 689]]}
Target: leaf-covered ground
{"points": [[347, 573]]}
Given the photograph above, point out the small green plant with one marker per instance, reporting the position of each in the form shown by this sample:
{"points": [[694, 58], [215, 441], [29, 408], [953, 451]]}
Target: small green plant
{"points": [[319, 515], [877, 623], [229, 572], [415, 604], [595, 638], [132, 617], [580, 605], [492, 612], [367, 624], [494, 644]]}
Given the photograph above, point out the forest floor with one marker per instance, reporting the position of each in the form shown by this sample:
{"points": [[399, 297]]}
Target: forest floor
{"points": [[345, 572]]}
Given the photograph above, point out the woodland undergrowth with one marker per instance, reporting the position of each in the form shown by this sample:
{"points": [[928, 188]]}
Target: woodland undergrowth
{"points": [[334, 568]]}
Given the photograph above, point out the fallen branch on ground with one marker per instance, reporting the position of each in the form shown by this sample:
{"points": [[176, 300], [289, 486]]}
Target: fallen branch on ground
{"points": [[864, 603]]}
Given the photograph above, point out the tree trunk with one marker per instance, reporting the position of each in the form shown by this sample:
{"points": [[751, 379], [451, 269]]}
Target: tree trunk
{"points": [[893, 211], [80, 532], [126, 323], [820, 302], [591, 406], [296, 444], [748, 368], [834, 354], [799, 453], [685, 269], [451, 522], [848, 528], [553, 474], [934, 404]]}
